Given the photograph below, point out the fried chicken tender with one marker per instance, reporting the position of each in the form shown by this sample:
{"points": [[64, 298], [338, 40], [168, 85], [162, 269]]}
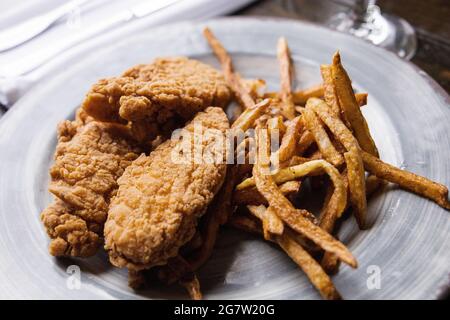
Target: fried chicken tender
{"points": [[159, 200], [155, 98], [89, 158]]}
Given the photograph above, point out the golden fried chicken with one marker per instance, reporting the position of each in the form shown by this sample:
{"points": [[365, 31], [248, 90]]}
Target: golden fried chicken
{"points": [[158, 97], [89, 158], [159, 200]]}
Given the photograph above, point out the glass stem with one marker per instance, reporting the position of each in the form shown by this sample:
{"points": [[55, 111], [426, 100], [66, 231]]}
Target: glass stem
{"points": [[361, 9]]}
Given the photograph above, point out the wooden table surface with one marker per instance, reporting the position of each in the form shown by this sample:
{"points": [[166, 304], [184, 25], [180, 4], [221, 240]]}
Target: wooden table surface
{"points": [[430, 18]]}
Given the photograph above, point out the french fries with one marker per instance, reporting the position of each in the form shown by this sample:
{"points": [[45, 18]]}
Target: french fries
{"points": [[323, 135], [290, 244], [251, 196], [350, 107], [300, 97], [284, 209], [306, 140], [329, 90], [272, 225], [289, 142], [355, 168], [192, 286], [407, 180], [356, 185], [310, 267], [250, 115], [246, 224], [286, 76], [276, 125], [233, 80]]}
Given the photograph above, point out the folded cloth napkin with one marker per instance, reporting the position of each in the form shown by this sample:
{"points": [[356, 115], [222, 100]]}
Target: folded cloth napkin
{"points": [[79, 27]]}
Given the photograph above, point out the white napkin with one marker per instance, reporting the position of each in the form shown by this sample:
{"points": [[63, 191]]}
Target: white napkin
{"points": [[79, 22]]}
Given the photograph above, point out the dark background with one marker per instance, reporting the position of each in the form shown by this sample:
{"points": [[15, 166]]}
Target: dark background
{"points": [[430, 18]]}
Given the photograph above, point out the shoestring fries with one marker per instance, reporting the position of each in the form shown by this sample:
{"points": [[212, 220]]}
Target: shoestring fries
{"points": [[323, 135]]}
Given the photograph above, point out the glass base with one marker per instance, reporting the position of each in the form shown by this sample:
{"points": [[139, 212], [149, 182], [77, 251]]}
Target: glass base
{"points": [[390, 32]]}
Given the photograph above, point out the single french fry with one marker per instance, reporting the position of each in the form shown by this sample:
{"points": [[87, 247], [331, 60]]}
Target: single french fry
{"points": [[328, 215], [407, 180], [330, 263], [192, 286], [356, 185], [246, 223], [250, 115], [232, 79], [272, 225], [373, 183], [276, 124], [329, 91], [284, 209], [361, 99], [350, 107], [251, 196], [306, 140], [300, 97], [254, 87], [289, 142], [324, 143], [286, 76], [310, 168]]}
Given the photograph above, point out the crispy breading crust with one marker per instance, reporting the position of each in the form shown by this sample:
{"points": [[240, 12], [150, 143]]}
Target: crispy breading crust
{"points": [[157, 96], [159, 201], [89, 158]]}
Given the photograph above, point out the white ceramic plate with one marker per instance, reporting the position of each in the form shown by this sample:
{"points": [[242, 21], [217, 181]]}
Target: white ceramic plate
{"points": [[408, 114]]}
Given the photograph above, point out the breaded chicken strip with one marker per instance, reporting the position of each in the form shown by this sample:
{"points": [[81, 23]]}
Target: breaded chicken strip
{"points": [[89, 158], [157, 97], [160, 200]]}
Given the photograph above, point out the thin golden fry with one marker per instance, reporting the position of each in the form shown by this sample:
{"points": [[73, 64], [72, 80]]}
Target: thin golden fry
{"points": [[328, 217], [289, 142], [329, 91], [232, 79], [192, 286], [276, 124], [311, 168], [249, 116], [306, 140], [245, 223], [350, 107], [251, 196], [300, 97], [326, 147], [272, 225], [356, 185], [286, 76], [407, 180], [373, 184]]}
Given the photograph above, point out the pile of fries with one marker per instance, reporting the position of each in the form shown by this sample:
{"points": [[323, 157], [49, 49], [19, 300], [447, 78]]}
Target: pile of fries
{"points": [[324, 141], [324, 138]]}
